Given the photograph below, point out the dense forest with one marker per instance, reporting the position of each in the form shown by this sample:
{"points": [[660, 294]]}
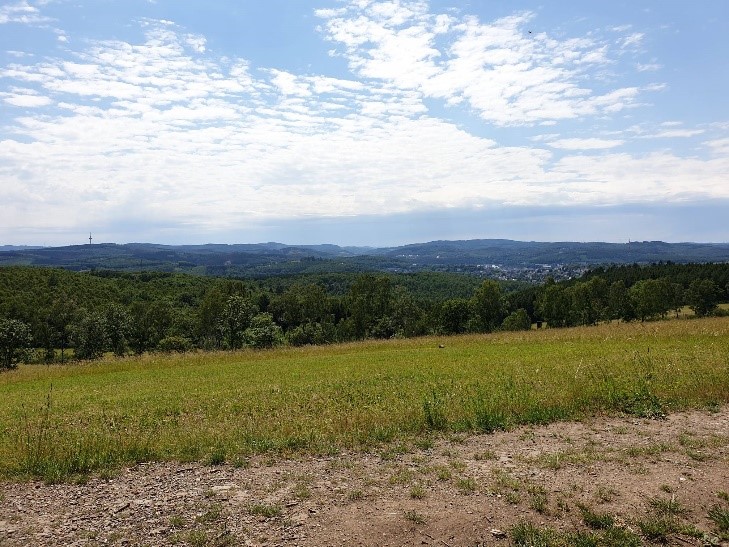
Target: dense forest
{"points": [[82, 315]]}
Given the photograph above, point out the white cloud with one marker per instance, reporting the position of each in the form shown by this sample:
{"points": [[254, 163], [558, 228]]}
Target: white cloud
{"points": [[585, 144], [21, 12], [720, 147], [196, 42], [632, 41], [510, 77], [648, 67], [673, 134], [27, 99], [167, 130]]}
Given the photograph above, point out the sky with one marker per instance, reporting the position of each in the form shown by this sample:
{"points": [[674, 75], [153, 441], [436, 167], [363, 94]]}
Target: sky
{"points": [[363, 122]]}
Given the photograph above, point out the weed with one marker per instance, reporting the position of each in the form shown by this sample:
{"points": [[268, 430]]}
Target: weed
{"points": [[688, 440], [597, 521], [647, 450], [563, 505], [176, 521], [605, 494], [489, 418], [668, 489], [417, 492], [424, 443], [666, 508], [216, 456], [268, 511], [402, 476], [211, 515], [619, 537], [485, 455], [538, 502], [553, 461], [434, 412], [414, 517], [582, 539], [302, 491], [525, 534], [722, 495], [443, 473], [197, 538], [458, 465], [513, 498], [504, 480], [354, 495], [657, 528], [696, 455], [467, 485], [393, 451], [720, 516]]}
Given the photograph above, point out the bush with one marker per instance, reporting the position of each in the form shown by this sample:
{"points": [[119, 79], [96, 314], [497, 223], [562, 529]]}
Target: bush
{"points": [[263, 332], [517, 320], [171, 344]]}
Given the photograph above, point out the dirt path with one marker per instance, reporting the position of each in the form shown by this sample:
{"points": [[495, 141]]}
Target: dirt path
{"points": [[456, 490]]}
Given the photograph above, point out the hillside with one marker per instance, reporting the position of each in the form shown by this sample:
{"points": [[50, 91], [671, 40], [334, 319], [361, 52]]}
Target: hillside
{"points": [[505, 259]]}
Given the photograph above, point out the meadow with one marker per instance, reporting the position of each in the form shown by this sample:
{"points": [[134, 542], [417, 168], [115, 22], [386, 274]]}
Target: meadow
{"points": [[62, 422]]}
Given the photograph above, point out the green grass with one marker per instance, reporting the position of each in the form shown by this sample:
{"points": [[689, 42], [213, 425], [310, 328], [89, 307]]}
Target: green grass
{"points": [[68, 420]]}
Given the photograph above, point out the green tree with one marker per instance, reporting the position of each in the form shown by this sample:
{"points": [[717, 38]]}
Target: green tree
{"points": [[263, 332], [62, 317], [90, 336], [453, 316], [652, 298], [487, 306], [517, 320], [407, 317], [589, 301], [118, 324], [312, 333], [150, 322], [209, 315], [15, 338], [370, 307], [235, 319], [619, 305], [554, 305], [703, 297]]}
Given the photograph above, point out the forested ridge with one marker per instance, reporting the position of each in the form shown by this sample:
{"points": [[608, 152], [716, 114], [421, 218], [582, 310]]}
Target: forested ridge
{"points": [[63, 314]]}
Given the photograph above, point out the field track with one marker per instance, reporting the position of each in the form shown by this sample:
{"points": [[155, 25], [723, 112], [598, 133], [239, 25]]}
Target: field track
{"points": [[460, 491]]}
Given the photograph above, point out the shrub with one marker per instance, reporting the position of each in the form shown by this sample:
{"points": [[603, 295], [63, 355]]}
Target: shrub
{"points": [[263, 332], [170, 344]]}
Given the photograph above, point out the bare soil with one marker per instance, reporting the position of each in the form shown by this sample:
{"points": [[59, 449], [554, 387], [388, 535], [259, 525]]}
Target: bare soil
{"points": [[453, 490]]}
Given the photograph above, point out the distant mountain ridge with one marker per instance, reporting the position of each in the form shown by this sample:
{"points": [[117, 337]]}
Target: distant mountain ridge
{"points": [[265, 259]]}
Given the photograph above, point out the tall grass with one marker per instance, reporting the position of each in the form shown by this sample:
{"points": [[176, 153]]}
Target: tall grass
{"points": [[226, 406]]}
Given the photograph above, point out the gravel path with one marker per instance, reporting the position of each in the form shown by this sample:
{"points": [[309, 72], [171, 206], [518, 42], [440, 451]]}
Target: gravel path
{"points": [[457, 490]]}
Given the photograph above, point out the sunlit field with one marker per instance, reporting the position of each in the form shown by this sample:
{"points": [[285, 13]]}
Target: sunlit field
{"points": [[58, 422]]}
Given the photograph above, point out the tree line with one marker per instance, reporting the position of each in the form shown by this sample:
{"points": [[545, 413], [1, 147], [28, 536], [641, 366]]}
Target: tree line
{"points": [[62, 314]]}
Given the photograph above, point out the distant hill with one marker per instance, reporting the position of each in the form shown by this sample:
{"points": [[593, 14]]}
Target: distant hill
{"points": [[523, 253], [270, 259], [4, 248]]}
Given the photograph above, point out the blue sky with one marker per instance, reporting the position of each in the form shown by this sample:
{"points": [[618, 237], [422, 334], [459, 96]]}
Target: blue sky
{"points": [[363, 122]]}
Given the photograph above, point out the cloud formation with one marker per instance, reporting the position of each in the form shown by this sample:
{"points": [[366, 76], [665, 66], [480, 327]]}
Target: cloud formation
{"points": [[164, 128]]}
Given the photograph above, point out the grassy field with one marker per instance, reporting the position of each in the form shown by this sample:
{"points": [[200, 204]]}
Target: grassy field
{"points": [[63, 421]]}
